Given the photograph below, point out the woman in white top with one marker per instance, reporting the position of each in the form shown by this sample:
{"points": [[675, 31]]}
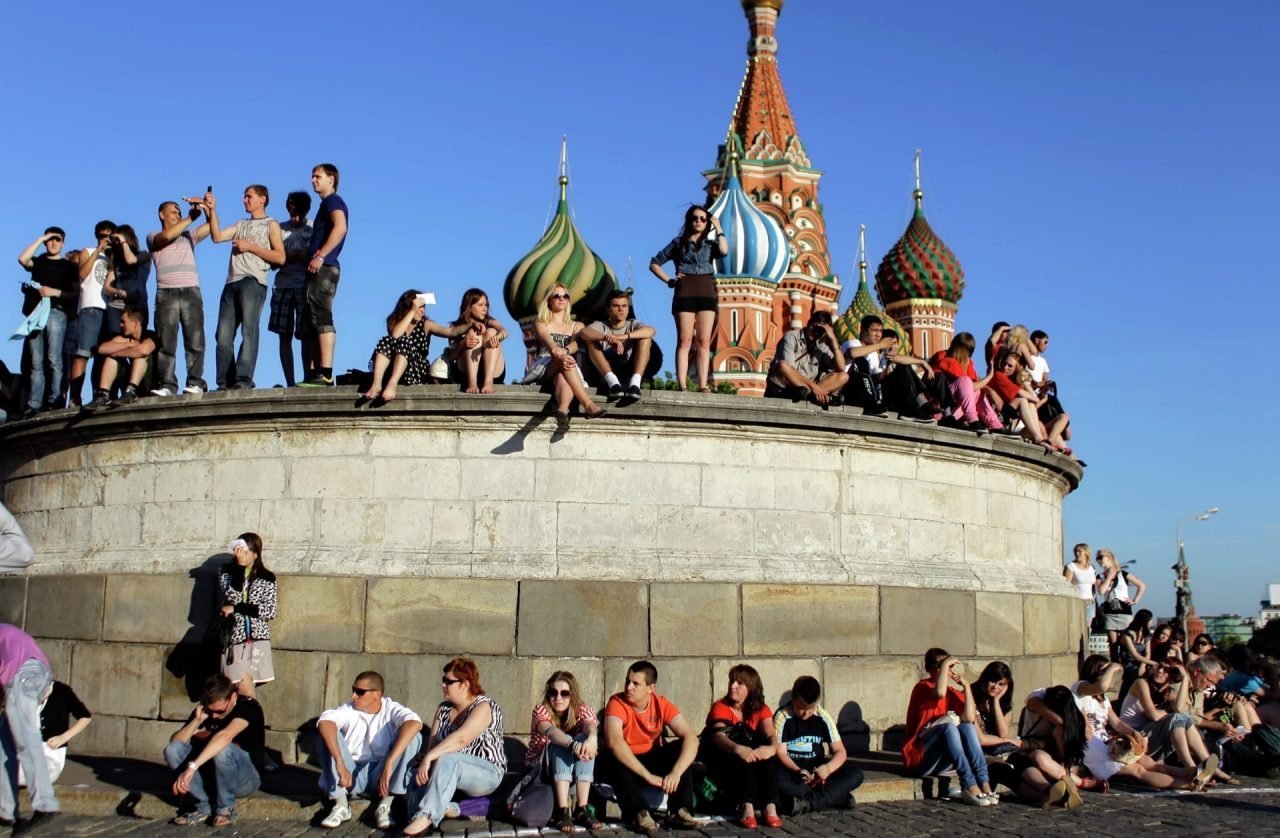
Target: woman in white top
{"points": [[1117, 598], [1080, 573], [1156, 707]]}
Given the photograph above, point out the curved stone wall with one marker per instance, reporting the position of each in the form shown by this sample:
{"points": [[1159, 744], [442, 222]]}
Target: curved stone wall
{"points": [[694, 530]]}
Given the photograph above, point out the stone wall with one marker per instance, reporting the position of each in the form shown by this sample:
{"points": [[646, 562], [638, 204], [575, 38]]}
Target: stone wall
{"points": [[122, 640]]}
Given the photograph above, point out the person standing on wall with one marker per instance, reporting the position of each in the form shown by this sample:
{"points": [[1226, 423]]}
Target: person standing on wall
{"points": [[329, 233], [694, 251], [59, 280]]}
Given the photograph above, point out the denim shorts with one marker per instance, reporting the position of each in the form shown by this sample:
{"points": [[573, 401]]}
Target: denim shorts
{"points": [[322, 287], [90, 330]]}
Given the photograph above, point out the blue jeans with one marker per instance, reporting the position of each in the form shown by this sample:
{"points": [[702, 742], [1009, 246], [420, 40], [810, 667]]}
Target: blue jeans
{"points": [[90, 330], [20, 741], [233, 772], [45, 346], [364, 775], [239, 307], [185, 307], [948, 747], [565, 766], [450, 773]]}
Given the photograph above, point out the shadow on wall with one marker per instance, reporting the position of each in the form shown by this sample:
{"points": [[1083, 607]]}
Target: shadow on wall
{"points": [[854, 732], [195, 657]]}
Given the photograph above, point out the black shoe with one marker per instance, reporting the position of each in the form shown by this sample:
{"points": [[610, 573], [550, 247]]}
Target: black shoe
{"points": [[30, 413], [951, 422], [976, 426], [100, 400], [129, 396], [633, 392], [38, 820], [615, 392]]}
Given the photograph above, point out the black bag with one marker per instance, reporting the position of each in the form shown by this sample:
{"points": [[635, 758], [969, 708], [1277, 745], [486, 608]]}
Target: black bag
{"points": [[533, 799], [1115, 606], [219, 636]]}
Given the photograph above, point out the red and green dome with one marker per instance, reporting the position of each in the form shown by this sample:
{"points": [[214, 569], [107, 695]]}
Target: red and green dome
{"points": [[919, 266]]}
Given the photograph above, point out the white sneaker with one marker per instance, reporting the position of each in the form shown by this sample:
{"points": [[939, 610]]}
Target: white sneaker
{"points": [[163, 392], [338, 815], [992, 797], [192, 390], [975, 799], [382, 814]]}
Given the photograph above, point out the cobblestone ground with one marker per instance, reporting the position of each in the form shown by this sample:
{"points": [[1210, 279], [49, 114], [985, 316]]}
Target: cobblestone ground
{"points": [[1248, 810]]}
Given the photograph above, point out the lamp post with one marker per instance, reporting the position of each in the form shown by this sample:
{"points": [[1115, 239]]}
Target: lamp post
{"points": [[1182, 572]]}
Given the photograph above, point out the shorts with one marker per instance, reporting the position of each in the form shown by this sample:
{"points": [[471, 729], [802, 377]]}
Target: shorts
{"points": [[694, 304], [90, 331], [287, 308], [322, 287]]}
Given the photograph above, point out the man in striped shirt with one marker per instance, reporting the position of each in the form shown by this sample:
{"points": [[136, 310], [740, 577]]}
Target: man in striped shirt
{"points": [[178, 299]]}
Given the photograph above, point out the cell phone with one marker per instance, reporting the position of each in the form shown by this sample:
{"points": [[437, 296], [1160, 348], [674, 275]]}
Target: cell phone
{"points": [[208, 189]]}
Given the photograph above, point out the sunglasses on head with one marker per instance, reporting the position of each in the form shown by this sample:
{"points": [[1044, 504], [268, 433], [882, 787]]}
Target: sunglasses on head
{"points": [[449, 682], [559, 693], [363, 690]]}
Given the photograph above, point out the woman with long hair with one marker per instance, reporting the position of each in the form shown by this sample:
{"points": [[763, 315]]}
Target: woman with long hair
{"points": [[1080, 573], [739, 748], [403, 354], [1117, 599], [475, 357], [993, 699], [940, 733], [247, 594], [967, 411], [564, 729], [555, 363], [1133, 649], [696, 300], [465, 751], [1158, 706], [1043, 770], [126, 284]]}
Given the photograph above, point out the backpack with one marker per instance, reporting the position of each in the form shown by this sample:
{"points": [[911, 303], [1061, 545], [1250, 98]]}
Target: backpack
{"points": [[533, 799], [1257, 755]]}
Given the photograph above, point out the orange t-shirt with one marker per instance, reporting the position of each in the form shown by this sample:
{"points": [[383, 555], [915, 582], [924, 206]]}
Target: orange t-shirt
{"points": [[641, 729]]}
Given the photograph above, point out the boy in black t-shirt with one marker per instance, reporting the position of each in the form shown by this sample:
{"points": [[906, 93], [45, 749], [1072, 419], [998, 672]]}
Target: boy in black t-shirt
{"points": [[812, 770], [59, 281], [227, 729], [131, 349]]}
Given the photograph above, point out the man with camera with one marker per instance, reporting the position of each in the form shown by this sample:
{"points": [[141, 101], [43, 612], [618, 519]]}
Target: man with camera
{"points": [[619, 346], [59, 281], [178, 298], [808, 364]]}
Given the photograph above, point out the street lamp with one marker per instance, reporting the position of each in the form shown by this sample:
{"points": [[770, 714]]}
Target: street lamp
{"points": [[1182, 573]]}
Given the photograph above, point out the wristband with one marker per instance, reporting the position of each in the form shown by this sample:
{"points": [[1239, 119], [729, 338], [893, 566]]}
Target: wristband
{"points": [[192, 766]]}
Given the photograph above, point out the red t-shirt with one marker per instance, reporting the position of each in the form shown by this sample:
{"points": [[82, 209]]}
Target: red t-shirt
{"points": [[925, 706], [942, 362], [641, 729], [1004, 385], [722, 712], [538, 740]]}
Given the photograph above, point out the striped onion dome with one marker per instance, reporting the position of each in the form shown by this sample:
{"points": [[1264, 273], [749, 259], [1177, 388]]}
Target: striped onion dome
{"points": [[919, 266], [757, 246], [560, 256]]}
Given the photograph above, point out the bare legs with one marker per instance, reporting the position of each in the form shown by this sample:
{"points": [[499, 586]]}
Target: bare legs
{"points": [[481, 366], [567, 385], [684, 340], [704, 332], [380, 364], [1188, 741]]}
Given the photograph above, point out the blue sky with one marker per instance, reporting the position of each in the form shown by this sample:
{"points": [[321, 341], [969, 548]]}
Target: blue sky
{"points": [[1103, 171]]}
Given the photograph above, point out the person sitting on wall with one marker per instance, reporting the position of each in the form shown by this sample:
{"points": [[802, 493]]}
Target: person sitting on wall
{"points": [[367, 746], [813, 772], [635, 756], [809, 364], [226, 729], [955, 364], [127, 355], [881, 379], [619, 346], [1019, 402]]}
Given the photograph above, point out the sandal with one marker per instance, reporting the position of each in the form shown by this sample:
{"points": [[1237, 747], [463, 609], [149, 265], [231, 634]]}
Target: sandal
{"points": [[562, 819], [582, 817], [190, 819], [225, 818]]}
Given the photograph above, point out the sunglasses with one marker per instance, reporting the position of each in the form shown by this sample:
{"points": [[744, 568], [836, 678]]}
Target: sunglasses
{"points": [[449, 682], [558, 694], [363, 690], [559, 296], [701, 218]]}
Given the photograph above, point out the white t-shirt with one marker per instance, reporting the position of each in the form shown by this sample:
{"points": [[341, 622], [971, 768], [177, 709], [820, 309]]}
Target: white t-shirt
{"points": [[91, 285], [369, 735], [875, 360], [1083, 578], [1095, 711], [1039, 369]]}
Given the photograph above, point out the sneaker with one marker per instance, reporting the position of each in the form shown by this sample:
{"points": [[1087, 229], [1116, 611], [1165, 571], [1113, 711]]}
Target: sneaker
{"points": [[615, 392], [163, 392], [992, 797], [452, 810], [382, 814], [975, 799], [100, 400], [338, 815], [30, 413], [800, 807], [193, 390], [129, 396], [317, 381], [634, 392], [682, 818], [645, 823]]}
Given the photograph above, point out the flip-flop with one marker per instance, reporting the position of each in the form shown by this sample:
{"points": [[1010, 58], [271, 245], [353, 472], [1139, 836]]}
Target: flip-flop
{"points": [[1204, 772]]}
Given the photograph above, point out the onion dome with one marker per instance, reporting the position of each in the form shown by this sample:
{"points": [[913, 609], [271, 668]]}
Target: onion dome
{"points": [[757, 246], [919, 266], [560, 256], [848, 325]]}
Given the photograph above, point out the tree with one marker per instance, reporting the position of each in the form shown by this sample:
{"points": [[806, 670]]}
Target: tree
{"points": [[1266, 640]]}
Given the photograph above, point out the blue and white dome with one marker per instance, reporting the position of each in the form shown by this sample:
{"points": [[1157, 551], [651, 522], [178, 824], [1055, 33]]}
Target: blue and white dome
{"points": [[757, 246]]}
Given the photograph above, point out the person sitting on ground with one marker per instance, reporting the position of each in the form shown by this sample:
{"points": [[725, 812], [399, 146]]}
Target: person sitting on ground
{"points": [[1245, 678], [1053, 737], [403, 354], [16, 552], [635, 755], [968, 412], [993, 699], [564, 732], [129, 355], [808, 363], [1132, 648], [1203, 645], [227, 729], [60, 706], [813, 768], [941, 734], [465, 752], [739, 745], [1117, 598], [882, 379], [475, 356], [1157, 707], [619, 346], [556, 364], [366, 747]]}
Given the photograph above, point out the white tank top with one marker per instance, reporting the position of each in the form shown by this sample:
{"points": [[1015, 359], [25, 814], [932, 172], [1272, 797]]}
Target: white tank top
{"points": [[1083, 578], [91, 285]]}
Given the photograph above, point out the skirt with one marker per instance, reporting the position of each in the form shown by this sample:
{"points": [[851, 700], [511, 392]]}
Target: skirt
{"points": [[252, 658], [1116, 622]]}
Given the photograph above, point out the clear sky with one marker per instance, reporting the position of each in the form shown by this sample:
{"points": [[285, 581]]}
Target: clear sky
{"points": [[1103, 171]]}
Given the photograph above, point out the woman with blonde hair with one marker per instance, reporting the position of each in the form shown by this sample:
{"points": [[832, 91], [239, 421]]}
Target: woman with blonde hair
{"points": [[1117, 599], [555, 330], [564, 728], [1080, 573]]}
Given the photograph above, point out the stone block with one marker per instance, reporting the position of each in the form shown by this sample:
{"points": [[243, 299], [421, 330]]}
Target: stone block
{"points": [[809, 620], [737, 487], [526, 526], [13, 600], [621, 482], [875, 538], [684, 681], [146, 608], [794, 533], [578, 618], [935, 542], [179, 522], [119, 452], [802, 455], [105, 736], [498, 479], [1033, 674], [806, 490], [323, 442], [451, 526], [720, 532], [248, 479], [185, 670], [1046, 623], [871, 690], [118, 679], [147, 738], [299, 690], [617, 529], [59, 654], [236, 516], [588, 672], [116, 526], [483, 443], [441, 616], [999, 625], [953, 472], [944, 502], [694, 618], [509, 681], [284, 743], [414, 477], [1063, 669], [65, 606], [82, 488], [319, 613], [184, 481], [915, 619], [619, 444], [330, 477], [867, 464], [1012, 512], [878, 496], [289, 520], [32, 494], [133, 483], [343, 522], [776, 674], [412, 680]]}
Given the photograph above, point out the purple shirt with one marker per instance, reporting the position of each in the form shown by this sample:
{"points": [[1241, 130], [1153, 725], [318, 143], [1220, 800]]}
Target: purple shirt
{"points": [[16, 648]]}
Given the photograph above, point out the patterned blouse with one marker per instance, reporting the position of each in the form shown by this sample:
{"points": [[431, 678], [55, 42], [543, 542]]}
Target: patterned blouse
{"points": [[488, 745], [254, 601]]}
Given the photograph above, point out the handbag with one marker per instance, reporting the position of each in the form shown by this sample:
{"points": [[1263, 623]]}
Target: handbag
{"points": [[219, 635], [533, 799]]}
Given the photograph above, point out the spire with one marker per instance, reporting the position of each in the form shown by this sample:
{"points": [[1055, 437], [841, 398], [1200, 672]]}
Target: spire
{"points": [[761, 116], [564, 167], [920, 266], [848, 325], [918, 194]]}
